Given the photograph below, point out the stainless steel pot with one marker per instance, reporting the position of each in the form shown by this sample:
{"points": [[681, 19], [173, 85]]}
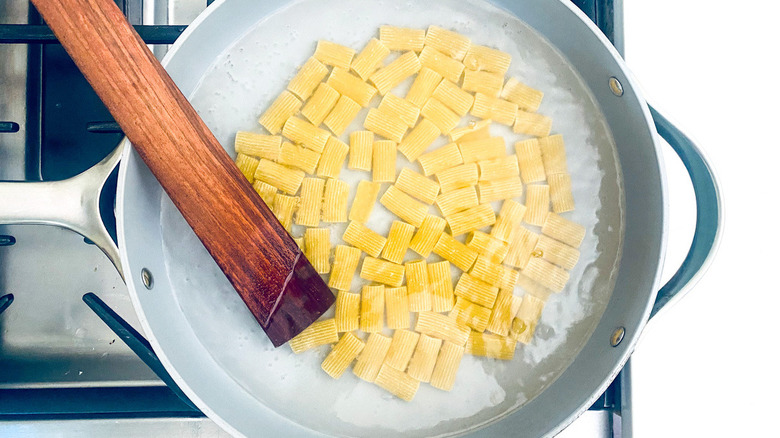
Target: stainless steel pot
{"points": [[159, 258]]}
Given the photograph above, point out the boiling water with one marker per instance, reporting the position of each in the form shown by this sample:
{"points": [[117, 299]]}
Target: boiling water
{"points": [[246, 78]]}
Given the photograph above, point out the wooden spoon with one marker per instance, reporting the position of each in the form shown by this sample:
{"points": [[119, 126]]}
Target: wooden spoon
{"points": [[260, 259]]}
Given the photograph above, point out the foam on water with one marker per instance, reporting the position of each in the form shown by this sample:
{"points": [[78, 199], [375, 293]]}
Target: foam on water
{"points": [[241, 84]]}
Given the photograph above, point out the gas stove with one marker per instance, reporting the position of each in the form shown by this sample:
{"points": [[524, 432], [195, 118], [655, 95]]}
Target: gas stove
{"points": [[73, 359]]}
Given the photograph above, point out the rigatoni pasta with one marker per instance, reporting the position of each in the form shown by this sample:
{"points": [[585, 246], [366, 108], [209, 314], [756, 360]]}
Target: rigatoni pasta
{"points": [[351, 86], [500, 189], [447, 364], [419, 139], [319, 333], [439, 159], [342, 114], [442, 64], [372, 308], [397, 304], [360, 236], [284, 107], [400, 109], [370, 58], [442, 327], [317, 241], [526, 98], [247, 165], [342, 354], [458, 177], [529, 158], [471, 315], [365, 198], [476, 291], [484, 82], [424, 358], [299, 157], [417, 186], [335, 201], [498, 110], [404, 206], [453, 97], [402, 38], [372, 357], [471, 219], [361, 147], [481, 58], [561, 196], [347, 311], [427, 235], [308, 77], [562, 229], [448, 42], [332, 158], [321, 103], [304, 133], [308, 214], [283, 178], [383, 167], [455, 252], [490, 148], [537, 201], [417, 286], [444, 118], [490, 345], [385, 125], [258, 145], [532, 124], [440, 284], [397, 241], [333, 54], [345, 261], [386, 78], [423, 86], [381, 271], [398, 383], [401, 349]]}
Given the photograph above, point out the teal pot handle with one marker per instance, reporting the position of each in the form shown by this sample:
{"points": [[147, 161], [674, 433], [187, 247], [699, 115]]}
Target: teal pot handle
{"points": [[709, 213]]}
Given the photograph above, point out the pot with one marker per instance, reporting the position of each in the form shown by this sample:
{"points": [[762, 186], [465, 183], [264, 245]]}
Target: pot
{"points": [[239, 53]]}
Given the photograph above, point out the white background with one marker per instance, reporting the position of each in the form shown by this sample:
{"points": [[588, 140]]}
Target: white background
{"points": [[708, 365]]}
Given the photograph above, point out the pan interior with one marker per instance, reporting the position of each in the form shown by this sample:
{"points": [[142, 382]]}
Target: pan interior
{"points": [[243, 81]]}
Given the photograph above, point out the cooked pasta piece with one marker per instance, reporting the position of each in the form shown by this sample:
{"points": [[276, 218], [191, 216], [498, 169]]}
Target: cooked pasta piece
{"points": [[471, 315], [490, 148], [494, 249], [521, 247], [319, 333], [553, 153], [402, 38], [360, 236], [345, 261], [448, 42], [537, 201], [447, 365], [424, 358], [284, 208], [384, 156], [321, 103], [332, 158], [267, 192], [400, 109], [342, 354], [441, 116], [284, 107], [556, 252], [370, 58], [385, 125], [388, 77], [502, 314], [372, 308], [498, 168], [351, 86], [508, 221], [440, 281], [476, 291], [442, 327], [247, 165], [484, 82], [561, 197], [455, 252], [440, 159], [427, 235], [532, 124], [471, 219], [304, 133], [336, 55], [372, 357], [564, 230], [397, 303], [423, 87], [397, 383], [457, 200], [529, 158], [307, 78], [361, 147], [417, 286], [382, 271], [481, 58], [453, 97], [526, 98], [499, 189], [282, 177], [419, 139], [401, 349], [490, 345], [317, 242], [347, 310], [258, 145], [493, 273], [398, 239], [475, 130], [546, 274], [458, 177], [498, 110], [308, 214], [335, 201], [524, 324], [442, 64], [365, 198], [532, 287], [417, 186], [299, 157], [404, 206], [342, 114]]}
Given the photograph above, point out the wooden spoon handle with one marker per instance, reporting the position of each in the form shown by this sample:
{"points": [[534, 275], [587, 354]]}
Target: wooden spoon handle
{"points": [[236, 227]]}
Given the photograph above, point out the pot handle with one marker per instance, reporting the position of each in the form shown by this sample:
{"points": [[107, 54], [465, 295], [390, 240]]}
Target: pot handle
{"points": [[709, 213], [73, 203]]}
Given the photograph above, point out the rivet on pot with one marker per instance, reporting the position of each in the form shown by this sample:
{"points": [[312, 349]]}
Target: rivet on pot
{"points": [[615, 86], [617, 336], [147, 279]]}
